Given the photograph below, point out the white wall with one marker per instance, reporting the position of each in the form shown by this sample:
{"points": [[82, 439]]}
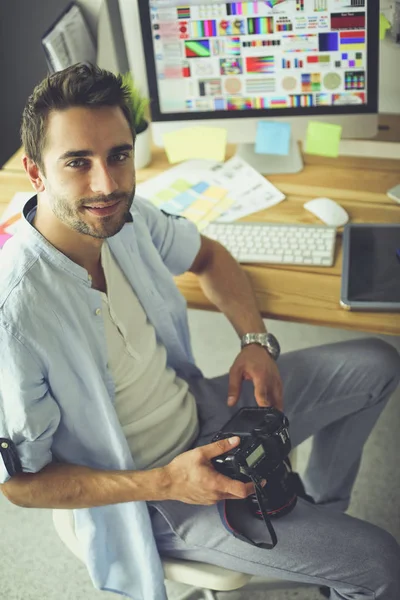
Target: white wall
{"points": [[91, 11], [134, 48], [389, 88], [389, 84]]}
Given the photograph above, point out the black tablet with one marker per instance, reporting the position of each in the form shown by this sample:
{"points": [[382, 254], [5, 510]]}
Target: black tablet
{"points": [[371, 267]]}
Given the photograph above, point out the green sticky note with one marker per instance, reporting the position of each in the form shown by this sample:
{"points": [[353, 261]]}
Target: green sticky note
{"points": [[384, 25], [195, 142], [166, 194], [323, 139], [181, 185]]}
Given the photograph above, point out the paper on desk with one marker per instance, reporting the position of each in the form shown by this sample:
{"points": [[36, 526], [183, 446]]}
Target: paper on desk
{"points": [[195, 142], [12, 215], [239, 189], [188, 190], [323, 139], [249, 190], [3, 238], [15, 206], [191, 171]]}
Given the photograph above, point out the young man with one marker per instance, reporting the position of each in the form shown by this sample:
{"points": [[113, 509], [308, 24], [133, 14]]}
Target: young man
{"points": [[100, 399]]}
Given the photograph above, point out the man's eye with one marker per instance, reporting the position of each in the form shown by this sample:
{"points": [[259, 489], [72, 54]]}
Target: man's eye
{"points": [[76, 163], [119, 157]]}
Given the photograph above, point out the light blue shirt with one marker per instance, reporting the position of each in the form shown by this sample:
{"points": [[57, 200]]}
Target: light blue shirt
{"points": [[56, 392]]}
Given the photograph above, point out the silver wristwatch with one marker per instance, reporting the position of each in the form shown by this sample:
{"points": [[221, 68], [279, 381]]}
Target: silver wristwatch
{"points": [[267, 340]]}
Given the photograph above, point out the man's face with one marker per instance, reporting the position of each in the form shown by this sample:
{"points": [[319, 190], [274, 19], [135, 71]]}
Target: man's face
{"points": [[90, 175]]}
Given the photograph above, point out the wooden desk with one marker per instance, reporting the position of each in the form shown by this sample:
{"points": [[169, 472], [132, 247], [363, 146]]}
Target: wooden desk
{"points": [[292, 293]]}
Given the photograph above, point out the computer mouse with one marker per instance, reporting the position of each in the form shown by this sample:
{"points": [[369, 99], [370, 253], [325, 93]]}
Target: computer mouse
{"points": [[329, 211]]}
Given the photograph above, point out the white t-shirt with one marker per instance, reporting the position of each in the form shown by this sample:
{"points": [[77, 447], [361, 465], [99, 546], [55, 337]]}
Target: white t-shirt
{"points": [[156, 410]]}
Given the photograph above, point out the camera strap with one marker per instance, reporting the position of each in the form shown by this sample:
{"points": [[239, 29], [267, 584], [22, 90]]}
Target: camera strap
{"points": [[267, 521], [238, 520]]}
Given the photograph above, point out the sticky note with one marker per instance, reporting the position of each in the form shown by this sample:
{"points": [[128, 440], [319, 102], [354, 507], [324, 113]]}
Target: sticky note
{"points": [[202, 205], [156, 201], [384, 25], [166, 194], [195, 142], [3, 238], [273, 138], [180, 185], [172, 207], [215, 192], [184, 200], [323, 139], [192, 214], [200, 187]]}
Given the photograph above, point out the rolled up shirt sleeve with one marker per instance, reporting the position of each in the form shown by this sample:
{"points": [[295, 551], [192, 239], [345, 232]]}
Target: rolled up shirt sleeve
{"points": [[176, 239], [29, 415]]}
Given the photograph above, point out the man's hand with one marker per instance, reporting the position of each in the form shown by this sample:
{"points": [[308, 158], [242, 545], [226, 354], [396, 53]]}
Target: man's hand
{"points": [[193, 479], [256, 364]]}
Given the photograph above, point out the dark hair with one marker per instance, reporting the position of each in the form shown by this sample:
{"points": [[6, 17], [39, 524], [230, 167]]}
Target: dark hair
{"points": [[82, 84]]}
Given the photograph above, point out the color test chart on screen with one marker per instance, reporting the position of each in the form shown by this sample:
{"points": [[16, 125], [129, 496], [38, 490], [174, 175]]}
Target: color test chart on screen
{"points": [[255, 55]]}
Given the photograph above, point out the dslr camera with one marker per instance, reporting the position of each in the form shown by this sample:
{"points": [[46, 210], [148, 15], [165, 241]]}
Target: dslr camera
{"points": [[263, 453]]}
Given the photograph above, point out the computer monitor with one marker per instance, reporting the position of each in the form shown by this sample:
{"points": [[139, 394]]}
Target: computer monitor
{"points": [[233, 64]]}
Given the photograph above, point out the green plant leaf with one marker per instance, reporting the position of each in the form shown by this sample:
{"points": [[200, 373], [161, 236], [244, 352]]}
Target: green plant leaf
{"points": [[139, 102]]}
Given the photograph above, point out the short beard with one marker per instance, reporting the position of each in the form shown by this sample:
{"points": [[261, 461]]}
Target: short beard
{"points": [[108, 226]]}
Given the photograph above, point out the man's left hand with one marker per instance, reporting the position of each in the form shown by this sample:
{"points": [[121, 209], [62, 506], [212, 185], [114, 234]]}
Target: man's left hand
{"points": [[254, 363]]}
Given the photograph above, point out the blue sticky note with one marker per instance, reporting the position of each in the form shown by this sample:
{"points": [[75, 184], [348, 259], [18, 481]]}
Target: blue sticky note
{"points": [[184, 200], [273, 138], [200, 187]]}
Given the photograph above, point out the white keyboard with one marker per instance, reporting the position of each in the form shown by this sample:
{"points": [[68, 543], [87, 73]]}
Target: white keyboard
{"points": [[276, 243]]}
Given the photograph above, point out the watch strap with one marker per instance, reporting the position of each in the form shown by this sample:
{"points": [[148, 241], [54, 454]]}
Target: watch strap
{"points": [[266, 340]]}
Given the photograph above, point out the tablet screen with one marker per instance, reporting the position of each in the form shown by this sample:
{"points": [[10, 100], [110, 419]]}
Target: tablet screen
{"points": [[374, 265]]}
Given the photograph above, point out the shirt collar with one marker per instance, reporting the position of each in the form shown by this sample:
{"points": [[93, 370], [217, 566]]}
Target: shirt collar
{"points": [[32, 236]]}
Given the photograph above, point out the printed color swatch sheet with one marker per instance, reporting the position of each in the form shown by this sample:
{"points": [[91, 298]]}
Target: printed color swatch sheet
{"points": [[254, 55]]}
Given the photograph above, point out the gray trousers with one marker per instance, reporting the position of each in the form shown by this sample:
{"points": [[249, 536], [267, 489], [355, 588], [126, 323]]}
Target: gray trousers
{"points": [[335, 393]]}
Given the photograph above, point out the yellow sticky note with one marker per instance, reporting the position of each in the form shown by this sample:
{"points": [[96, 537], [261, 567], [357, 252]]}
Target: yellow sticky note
{"points": [[215, 212], [202, 224], [195, 142], [203, 205], [193, 215], [215, 192], [198, 210], [384, 25], [323, 139]]}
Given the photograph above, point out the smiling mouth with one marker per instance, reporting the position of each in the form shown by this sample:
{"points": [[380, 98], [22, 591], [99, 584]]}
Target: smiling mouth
{"points": [[103, 210], [101, 205]]}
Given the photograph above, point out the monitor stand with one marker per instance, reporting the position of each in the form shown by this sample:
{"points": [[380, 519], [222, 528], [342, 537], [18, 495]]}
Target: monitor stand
{"points": [[269, 164]]}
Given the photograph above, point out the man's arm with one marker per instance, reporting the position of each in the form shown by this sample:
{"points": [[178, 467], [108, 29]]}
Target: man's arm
{"points": [[226, 285], [73, 486], [188, 478]]}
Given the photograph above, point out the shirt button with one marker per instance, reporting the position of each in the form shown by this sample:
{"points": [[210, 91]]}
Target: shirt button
{"points": [[98, 311]]}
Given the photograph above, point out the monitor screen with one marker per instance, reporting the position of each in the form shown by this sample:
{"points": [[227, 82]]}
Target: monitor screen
{"points": [[270, 57]]}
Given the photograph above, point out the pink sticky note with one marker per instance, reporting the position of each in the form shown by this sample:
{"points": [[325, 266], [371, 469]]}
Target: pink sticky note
{"points": [[3, 238]]}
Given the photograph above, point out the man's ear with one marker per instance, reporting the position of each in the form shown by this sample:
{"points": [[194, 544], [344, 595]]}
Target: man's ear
{"points": [[34, 173]]}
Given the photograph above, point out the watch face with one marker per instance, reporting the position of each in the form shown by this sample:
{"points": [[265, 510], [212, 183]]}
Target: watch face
{"points": [[273, 345]]}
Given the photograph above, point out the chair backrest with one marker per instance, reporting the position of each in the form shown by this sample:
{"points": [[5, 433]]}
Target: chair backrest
{"points": [[64, 524]]}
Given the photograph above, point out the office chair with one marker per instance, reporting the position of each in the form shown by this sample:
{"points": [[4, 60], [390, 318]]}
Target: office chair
{"points": [[203, 577]]}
